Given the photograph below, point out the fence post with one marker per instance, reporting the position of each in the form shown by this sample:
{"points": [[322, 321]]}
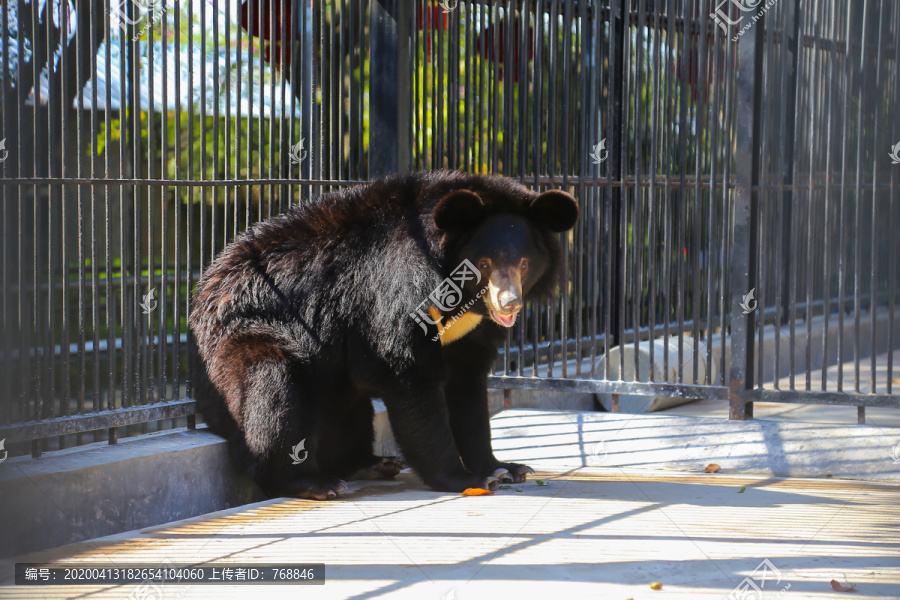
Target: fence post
{"points": [[389, 87], [746, 216], [615, 168]]}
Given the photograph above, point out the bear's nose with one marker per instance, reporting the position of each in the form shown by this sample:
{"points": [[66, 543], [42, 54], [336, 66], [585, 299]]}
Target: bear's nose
{"points": [[509, 301]]}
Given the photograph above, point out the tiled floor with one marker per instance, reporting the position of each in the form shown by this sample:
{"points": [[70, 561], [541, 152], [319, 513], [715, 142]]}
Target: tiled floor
{"points": [[588, 533]]}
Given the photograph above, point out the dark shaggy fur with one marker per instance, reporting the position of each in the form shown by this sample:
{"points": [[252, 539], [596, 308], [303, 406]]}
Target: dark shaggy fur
{"points": [[304, 318]]}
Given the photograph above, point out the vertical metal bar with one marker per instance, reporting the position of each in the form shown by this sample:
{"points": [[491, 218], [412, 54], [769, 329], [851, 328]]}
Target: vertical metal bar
{"points": [[536, 147], [842, 273], [637, 233], [216, 192], [7, 328], [189, 259], [134, 102], [126, 112], [770, 208], [858, 196], [278, 31], [816, 97], [95, 265], [389, 86], [790, 75], [523, 122], [682, 188], [696, 241], [162, 321], [727, 196], [239, 116], [743, 262], [714, 246], [111, 360], [652, 275], [339, 95], [176, 267], [564, 167], [892, 251], [352, 90], [668, 217], [582, 134], [829, 185], [877, 138]]}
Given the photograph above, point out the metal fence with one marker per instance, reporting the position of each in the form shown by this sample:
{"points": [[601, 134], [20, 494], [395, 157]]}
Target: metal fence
{"points": [[734, 160]]}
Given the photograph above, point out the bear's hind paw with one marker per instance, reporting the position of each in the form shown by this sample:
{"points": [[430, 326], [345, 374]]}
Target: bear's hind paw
{"points": [[324, 489], [386, 467]]}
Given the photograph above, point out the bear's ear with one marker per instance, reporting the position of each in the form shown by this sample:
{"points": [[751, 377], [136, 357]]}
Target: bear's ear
{"points": [[555, 209], [458, 208]]}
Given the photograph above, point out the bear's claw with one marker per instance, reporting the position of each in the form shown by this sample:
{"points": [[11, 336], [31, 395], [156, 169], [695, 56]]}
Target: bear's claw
{"points": [[491, 483], [518, 473], [503, 475]]}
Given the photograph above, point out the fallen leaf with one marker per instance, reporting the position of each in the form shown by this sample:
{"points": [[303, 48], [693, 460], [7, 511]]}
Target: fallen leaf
{"points": [[476, 492], [540, 482], [518, 490], [742, 490], [656, 585], [836, 586], [711, 468], [505, 487]]}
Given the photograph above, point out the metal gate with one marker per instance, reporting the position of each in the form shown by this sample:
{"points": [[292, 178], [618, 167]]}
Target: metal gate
{"points": [[735, 162]]}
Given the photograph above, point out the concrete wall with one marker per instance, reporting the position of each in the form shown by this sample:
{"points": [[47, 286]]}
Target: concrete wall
{"points": [[89, 492]]}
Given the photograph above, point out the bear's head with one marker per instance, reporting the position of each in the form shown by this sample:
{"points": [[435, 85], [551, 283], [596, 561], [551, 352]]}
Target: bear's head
{"points": [[511, 239]]}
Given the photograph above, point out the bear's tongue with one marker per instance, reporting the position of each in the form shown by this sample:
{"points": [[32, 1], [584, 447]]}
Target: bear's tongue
{"points": [[507, 320]]}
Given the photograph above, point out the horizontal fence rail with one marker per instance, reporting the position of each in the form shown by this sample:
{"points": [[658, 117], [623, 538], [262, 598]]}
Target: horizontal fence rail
{"points": [[735, 170]]}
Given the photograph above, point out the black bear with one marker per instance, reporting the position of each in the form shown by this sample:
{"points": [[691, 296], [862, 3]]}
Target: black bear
{"points": [[400, 289]]}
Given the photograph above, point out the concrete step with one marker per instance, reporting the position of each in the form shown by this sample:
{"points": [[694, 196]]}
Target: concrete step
{"points": [[557, 439]]}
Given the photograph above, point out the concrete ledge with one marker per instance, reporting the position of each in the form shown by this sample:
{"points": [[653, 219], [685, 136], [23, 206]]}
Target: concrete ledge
{"points": [[97, 490], [553, 440]]}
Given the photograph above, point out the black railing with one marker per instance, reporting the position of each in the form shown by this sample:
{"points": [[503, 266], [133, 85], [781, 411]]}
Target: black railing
{"points": [[709, 160]]}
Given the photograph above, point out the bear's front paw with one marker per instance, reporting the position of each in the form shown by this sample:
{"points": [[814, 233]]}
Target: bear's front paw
{"points": [[491, 483], [513, 472]]}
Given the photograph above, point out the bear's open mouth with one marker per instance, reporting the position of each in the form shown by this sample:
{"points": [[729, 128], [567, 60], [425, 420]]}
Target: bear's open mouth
{"points": [[505, 320]]}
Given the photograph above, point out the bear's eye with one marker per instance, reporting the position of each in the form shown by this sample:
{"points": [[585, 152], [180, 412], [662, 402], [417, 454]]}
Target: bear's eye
{"points": [[524, 265], [484, 265]]}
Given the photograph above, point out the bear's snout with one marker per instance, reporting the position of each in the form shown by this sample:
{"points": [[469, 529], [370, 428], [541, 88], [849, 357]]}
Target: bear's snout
{"points": [[510, 301], [504, 297]]}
